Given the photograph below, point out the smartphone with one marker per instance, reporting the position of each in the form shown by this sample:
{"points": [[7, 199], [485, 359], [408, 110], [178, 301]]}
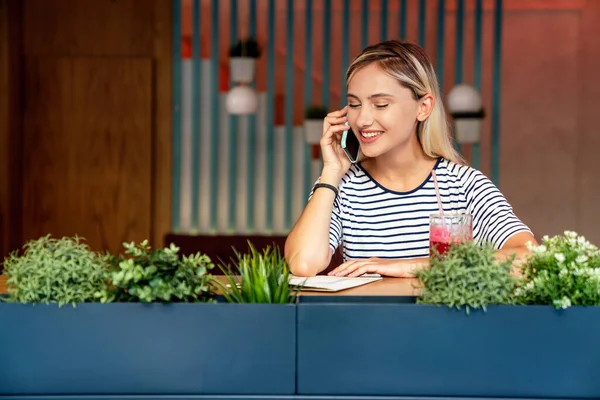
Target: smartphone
{"points": [[351, 145]]}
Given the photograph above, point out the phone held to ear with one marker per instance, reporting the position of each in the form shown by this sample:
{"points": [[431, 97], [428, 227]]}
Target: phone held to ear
{"points": [[351, 145]]}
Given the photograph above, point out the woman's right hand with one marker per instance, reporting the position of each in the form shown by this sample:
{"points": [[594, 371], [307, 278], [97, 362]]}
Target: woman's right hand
{"points": [[334, 158]]}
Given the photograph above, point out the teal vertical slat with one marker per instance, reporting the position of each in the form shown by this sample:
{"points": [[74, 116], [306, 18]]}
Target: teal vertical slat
{"points": [[476, 148], [403, 19], [326, 52], [195, 114], [233, 127], [251, 159], [440, 42], [458, 73], [496, 93], [176, 150], [214, 115], [422, 22], [289, 114], [383, 24], [345, 50], [308, 86], [270, 113], [364, 24]]}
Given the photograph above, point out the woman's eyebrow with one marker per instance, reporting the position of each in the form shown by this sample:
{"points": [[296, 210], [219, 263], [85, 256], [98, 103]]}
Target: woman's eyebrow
{"points": [[373, 96]]}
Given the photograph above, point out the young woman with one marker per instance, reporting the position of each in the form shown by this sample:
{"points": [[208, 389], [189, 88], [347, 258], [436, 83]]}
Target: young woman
{"points": [[378, 209]]}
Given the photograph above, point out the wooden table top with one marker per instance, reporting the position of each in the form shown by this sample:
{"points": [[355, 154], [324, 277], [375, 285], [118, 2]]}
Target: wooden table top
{"points": [[383, 287]]}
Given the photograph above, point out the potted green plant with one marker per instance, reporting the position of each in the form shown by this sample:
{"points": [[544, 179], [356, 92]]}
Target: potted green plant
{"points": [[54, 270], [313, 123], [160, 275], [242, 59], [258, 277], [467, 276], [563, 271], [146, 322]]}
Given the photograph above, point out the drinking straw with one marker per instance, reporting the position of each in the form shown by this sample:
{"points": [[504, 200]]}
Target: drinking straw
{"points": [[439, 198]]}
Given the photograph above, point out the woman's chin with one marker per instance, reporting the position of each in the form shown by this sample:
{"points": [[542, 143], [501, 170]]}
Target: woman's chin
{"points": [[370, 152]]}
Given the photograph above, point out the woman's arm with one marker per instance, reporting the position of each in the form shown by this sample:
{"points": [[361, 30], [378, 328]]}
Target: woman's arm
{"points": [[516, 245], [307, 247]]}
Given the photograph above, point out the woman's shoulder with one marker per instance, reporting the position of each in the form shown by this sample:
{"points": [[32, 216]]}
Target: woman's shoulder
{"points": [[354, 175], [461, 173]]}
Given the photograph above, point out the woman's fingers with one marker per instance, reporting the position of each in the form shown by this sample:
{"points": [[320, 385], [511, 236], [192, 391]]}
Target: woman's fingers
{"points": [[349, 267], [339, 269], [336, 120], [365, 269], [331, 132]]}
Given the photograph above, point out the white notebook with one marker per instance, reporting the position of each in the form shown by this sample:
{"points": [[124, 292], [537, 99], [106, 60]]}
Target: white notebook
{"points": [[325, 283]]}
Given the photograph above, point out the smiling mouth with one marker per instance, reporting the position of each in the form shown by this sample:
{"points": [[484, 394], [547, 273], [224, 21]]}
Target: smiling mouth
{"points": [[370, 134]]}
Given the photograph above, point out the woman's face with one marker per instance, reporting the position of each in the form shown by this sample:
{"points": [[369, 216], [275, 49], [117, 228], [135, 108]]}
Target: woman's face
{"points": [[382, 113]]}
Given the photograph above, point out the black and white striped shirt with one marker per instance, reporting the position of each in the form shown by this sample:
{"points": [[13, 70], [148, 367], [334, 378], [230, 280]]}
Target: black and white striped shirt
{"points": [[369, 220]]}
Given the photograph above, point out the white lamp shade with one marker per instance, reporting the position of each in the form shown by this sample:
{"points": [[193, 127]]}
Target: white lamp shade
{"points": [[313, 130], [241, 100], [468, 131], [464, 98], [242, 69]]}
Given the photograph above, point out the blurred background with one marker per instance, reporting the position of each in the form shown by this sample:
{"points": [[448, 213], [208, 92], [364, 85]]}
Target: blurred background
{"points": [[119, 120]]}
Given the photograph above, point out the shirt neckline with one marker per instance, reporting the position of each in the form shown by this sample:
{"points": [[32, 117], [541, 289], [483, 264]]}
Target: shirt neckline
{"points": [[385, 189]]}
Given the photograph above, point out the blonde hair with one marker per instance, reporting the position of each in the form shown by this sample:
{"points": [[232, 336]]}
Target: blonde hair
{"points": [[409, 65]]}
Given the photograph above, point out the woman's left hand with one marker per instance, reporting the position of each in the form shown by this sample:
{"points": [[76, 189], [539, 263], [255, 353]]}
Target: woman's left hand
{"points": [[383, 267]]}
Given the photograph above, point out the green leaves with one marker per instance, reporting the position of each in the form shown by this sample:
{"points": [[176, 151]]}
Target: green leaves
{"points": [[563, 270], [146, 275], [263, 278], [469, 276], [49, 270]]}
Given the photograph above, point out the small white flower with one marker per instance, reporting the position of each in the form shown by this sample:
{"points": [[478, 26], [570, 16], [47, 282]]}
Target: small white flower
{"points": [[560, 257], [563, 272], [571, 234], [565, 302], [581, 259], [546, 238], [540, 249]]}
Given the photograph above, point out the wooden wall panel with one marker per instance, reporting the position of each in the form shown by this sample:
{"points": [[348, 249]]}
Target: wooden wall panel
{"points": [[87, 135], [89, 27], [4, 112], [10, 122]]}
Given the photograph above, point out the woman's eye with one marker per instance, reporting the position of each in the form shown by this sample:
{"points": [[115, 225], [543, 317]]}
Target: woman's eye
{"points": [[381, 105], [353, 105]]}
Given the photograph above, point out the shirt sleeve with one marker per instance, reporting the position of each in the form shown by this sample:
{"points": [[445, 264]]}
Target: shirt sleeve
{"points": [[335, 223], [493, 218]]}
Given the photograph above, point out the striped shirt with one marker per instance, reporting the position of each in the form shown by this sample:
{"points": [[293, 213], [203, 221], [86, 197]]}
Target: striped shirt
{"points": [[369, 220]]}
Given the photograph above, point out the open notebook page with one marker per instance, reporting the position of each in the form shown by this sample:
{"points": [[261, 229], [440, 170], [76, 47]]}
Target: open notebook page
{"points": [[331, 283]]}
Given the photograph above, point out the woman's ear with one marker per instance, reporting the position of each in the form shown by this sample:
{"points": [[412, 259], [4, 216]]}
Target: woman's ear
{"points": [[426, 104]]}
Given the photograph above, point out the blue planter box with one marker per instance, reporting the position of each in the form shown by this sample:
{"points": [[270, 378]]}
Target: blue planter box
{"points": [[132, 348], [387, 348]]}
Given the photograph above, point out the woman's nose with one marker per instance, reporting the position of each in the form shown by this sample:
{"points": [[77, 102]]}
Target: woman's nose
{"points": [[365, 118]]}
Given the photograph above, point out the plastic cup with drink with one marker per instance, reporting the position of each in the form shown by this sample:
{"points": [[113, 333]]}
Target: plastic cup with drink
{"points": [[448, 229]]}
